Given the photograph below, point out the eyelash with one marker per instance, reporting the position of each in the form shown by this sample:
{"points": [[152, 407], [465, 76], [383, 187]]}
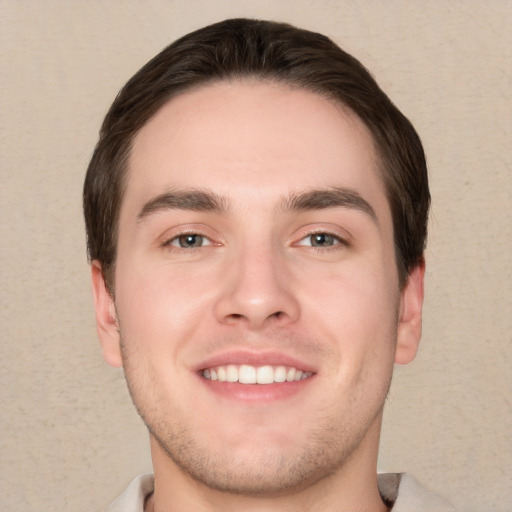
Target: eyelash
{"points": [[175, 241], [335, 240]]}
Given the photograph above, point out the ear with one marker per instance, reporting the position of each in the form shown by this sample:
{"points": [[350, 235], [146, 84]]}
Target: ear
{"points": [[106, 318], [409, 322]]}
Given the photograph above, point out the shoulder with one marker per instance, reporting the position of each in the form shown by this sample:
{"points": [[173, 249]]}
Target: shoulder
{"points": [[134, 496], [409, 496]]}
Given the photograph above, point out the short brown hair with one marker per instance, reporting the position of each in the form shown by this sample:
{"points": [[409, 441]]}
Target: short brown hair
{"points": [[239, 48]]}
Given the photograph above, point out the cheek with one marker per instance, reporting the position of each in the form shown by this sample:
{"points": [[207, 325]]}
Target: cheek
{"points": [[161, 308], [357, 310]]}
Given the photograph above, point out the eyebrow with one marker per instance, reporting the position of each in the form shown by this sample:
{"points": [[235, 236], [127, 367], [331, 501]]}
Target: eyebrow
{"points": [[195, 200], [335, 197], [204, 200]]}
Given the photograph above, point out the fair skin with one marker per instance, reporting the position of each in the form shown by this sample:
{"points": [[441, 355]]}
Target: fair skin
{"points": [[256, 240]]}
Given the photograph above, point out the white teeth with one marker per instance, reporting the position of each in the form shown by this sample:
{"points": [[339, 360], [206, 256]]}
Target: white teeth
{"points": [[246, 374], [231, 373], [280, 374], [265, 375]]}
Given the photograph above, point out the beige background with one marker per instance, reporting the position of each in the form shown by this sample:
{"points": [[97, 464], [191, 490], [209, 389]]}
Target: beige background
{"points": [[69, 437]]}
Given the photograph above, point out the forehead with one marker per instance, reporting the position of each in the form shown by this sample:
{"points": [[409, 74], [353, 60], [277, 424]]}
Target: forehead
{"points": [[247, 138]]}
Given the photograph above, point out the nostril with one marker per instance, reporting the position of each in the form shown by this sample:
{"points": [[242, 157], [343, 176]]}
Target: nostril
{"points": [[239, 316]]}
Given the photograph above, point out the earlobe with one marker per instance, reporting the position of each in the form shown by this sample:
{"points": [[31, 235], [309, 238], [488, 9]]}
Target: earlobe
{"points": [[106, 319], [409, 322]]}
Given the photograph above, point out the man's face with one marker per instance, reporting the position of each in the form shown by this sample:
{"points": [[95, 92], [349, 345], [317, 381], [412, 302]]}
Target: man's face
{"points": [[256, 244]]}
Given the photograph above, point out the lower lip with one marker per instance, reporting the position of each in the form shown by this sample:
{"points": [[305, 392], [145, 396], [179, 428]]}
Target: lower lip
{"points": [[253, 393]]}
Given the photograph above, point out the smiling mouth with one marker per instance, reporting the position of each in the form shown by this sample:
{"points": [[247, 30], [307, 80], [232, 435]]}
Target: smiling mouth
{"points": [[247, 374]]}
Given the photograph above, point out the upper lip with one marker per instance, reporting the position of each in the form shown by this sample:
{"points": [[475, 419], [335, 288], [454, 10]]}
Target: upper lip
{"points": [[254, 358]]}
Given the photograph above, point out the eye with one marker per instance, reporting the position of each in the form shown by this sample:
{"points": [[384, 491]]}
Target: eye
{"points": [[321, 240], [189, 241]]}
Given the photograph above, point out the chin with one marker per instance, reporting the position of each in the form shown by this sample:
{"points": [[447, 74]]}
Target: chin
{"points": [[261, 467]]}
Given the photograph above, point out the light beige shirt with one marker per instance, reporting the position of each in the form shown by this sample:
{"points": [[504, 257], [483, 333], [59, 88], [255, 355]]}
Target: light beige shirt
{"points": [[402, 489]]}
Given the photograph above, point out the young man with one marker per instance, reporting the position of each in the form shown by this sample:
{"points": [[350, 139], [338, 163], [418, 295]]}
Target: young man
{"points": [[256, 214]]}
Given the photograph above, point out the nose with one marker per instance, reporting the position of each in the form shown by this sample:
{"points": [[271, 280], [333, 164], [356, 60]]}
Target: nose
{"points": [[257, 291]]}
